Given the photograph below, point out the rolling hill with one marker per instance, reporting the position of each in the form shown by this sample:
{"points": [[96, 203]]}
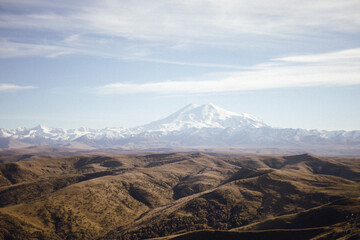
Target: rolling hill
{"points": [[179, 196]]}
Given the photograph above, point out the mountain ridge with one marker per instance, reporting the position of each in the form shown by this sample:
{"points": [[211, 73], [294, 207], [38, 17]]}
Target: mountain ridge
{"points": [[193, 125]]}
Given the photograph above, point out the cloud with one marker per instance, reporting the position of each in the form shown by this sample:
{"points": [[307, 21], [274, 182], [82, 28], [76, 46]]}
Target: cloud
{"points": [[328, 69], [349, 55], [142, 19], [8, 87], [10, 49], [206, 65], [171, 23]]}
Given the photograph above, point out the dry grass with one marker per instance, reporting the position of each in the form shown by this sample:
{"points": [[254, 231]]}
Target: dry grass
{"points": [[111, 196]]}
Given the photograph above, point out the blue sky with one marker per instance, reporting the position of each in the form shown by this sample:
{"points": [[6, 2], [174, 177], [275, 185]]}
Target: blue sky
{"points": [[126, 63]]}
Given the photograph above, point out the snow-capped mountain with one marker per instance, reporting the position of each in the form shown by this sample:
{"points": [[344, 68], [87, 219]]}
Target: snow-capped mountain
{"points": [[204, 116], [193, 125]]}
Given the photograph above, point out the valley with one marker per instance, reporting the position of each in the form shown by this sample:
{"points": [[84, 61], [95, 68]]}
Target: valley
{"points": [[178, 195]]}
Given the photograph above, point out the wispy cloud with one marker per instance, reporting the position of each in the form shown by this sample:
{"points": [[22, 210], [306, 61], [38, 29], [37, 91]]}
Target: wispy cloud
{"points": [[8, 87], [326, 69], [188, 63], [10, 49], [349, 56], [171, 23], [163, 19]]}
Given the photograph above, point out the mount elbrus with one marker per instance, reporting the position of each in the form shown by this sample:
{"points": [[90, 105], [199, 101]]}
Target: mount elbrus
{"points": [[193, 125]]}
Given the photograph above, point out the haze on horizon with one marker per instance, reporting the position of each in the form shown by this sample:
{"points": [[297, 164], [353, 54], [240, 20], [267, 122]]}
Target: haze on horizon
{"points": [[126, 63]]}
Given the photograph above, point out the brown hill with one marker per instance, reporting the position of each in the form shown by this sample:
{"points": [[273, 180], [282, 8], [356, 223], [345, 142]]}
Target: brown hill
{"points": [[111, 196], [336, 220]]}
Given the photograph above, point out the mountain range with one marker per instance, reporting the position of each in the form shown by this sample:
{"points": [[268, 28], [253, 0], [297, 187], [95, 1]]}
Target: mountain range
{"points": [[192, 126]]}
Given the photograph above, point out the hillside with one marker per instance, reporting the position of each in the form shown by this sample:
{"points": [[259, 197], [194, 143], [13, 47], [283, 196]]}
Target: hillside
{"points": [[137, 196]]}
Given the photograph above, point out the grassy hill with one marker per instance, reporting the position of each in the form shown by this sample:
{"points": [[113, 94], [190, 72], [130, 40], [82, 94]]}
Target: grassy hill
{"points": [[179, 195]]}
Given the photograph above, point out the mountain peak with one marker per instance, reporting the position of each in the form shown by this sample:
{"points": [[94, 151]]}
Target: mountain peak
{"points": [[212, 108], [41, 127], [204, 116]]}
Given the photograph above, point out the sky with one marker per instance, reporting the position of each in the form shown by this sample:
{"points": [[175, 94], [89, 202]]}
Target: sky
{"points": [[293, 64]]}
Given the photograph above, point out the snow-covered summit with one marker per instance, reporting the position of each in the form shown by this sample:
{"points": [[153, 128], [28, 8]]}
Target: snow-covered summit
{"points": [[193, 125], [204, 116]]}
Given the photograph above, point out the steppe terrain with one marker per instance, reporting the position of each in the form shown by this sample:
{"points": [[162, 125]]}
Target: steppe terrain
{"points": [[57, 194]]}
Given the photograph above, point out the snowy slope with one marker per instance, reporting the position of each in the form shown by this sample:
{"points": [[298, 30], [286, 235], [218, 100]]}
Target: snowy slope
{"points": [[193, 125], [204, 116]]}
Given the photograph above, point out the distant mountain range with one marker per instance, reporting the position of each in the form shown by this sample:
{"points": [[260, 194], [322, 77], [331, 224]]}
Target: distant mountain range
{"points": [[193, 125]]}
